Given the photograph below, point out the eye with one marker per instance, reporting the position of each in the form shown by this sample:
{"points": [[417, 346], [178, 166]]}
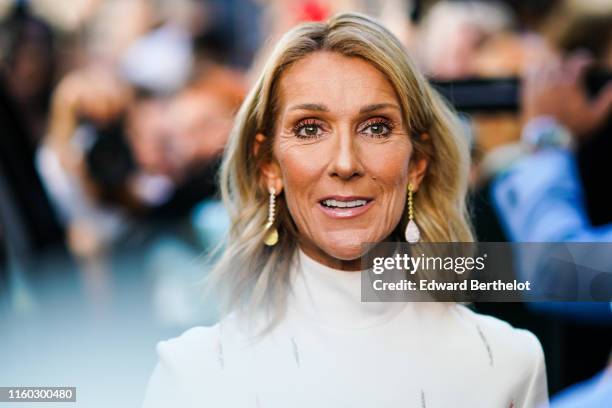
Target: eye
{"points": [[308, 129], [377, 128]]}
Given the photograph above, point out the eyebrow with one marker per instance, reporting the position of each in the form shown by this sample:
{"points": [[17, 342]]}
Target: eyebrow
{"points": [[311, 107], [366, 109], [378, 106]]}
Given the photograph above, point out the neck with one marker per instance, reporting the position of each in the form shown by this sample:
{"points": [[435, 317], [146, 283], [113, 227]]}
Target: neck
{"points": [[332, 297]]}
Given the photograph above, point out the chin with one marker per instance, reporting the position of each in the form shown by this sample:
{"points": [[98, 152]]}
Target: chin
{"points": [[345, 253], [347, 247]]}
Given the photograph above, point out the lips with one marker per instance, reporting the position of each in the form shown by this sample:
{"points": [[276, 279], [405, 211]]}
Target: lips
{"points": [[345, 206]]}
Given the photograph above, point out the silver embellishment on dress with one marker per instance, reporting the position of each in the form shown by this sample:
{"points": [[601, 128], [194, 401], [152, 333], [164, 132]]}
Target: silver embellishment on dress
{"points": [[423, 405], [486, 343], [296, 353]]}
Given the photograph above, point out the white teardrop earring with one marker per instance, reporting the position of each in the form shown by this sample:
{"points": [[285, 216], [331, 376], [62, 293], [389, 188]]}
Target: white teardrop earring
{"points": [[412, 230], [271, 237]]}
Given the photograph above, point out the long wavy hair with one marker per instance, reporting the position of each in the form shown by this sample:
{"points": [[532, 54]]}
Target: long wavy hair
{"points": [[251, 276]]}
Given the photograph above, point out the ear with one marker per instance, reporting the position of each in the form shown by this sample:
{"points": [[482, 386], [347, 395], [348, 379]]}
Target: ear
{"points": [[270, 169], [418, 167]]}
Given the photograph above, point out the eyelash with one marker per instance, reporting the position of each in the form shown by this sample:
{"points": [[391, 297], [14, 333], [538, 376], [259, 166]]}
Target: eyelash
{"points": [[301, 125], [378, 121], [372, 122]]}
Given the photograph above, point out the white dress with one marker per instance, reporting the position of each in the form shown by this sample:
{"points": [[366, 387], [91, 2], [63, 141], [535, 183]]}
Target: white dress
{"points": [[332, 350]]}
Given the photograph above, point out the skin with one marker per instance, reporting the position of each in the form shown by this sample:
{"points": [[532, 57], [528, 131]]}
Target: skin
{"points": [[340, 132]]}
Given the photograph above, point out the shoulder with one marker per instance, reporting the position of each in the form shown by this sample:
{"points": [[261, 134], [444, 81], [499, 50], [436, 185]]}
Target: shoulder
{"points": [[194, 348], [507, 346], [201, 355], [516, 355], [184, 363], [507, 361], [203, 350]]}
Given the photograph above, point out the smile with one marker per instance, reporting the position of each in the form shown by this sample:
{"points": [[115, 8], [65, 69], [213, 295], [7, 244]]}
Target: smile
{"points": [[345, 207], [344, 204]]}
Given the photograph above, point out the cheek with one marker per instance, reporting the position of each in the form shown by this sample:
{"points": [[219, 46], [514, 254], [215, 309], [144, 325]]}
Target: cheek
{"points": [[301, 171], [390, 165], [298, 167]]}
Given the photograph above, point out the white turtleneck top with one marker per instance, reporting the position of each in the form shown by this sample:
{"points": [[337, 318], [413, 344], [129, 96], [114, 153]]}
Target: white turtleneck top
{"points": [[332, 350]]}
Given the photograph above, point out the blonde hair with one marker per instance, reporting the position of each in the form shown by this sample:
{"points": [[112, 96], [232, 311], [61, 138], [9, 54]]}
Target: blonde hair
{"points": [[252, 276]]}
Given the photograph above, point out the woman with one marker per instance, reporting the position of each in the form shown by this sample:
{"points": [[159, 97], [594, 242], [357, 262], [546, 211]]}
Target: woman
{"points": [[327, 152]]}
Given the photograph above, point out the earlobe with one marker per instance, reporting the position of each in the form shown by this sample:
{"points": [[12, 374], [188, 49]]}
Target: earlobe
{"points": [[272, 176], [270, 170]]}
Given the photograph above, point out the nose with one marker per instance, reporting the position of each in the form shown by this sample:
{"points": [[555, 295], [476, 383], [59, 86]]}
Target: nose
{"points": [[345, 163]]}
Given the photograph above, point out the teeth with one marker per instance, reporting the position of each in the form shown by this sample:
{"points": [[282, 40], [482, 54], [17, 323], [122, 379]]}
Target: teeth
{"points": [[344, 204]]}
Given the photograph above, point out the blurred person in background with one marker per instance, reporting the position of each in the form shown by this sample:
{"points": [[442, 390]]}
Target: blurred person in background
{"points": [[31, 231], [202, 117], [561, 118], [28, 67], [586, 27], [452, 34], [556, 194], [199, 119], [135, 134], [471, 39], [86, 108], [542, 199]]}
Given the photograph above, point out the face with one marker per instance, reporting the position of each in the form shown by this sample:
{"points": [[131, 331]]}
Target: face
{"points": [[148, 131], [201, 122], [342, 156]]}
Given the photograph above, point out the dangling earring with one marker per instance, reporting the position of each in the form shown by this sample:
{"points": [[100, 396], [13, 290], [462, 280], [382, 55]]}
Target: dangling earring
{"points": [[412, 230], [271, 237]]}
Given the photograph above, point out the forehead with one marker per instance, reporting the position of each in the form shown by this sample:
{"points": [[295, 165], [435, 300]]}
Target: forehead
{"points": [[341, 83]]}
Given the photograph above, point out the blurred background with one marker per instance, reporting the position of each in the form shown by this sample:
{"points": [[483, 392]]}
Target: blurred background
{"points": [[113, 116]]}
